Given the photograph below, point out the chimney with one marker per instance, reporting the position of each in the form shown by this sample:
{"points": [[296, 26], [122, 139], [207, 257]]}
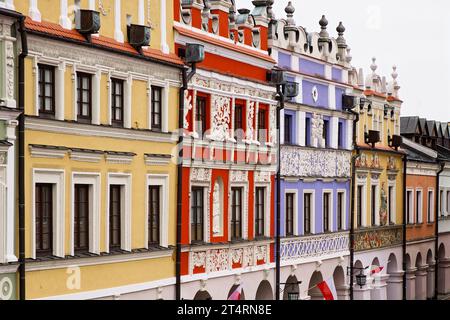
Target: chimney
{"points": [[220, 11]]}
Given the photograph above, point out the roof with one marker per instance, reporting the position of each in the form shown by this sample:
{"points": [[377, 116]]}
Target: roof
{"points": [[416, 155], [423, 127], [444, 153], [101, 42], [5, 143], [408, 125], [431, 124]]}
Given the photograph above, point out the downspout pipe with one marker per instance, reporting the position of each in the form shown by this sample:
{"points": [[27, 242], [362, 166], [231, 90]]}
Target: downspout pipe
{"points": [[436, 221], [278, 196], [186, 77], [404, 223], [352, 201]]}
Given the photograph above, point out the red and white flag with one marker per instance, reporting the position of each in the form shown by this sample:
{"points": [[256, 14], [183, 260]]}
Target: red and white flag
{"points": [[376, 269], [236, 294], [328, 289]]}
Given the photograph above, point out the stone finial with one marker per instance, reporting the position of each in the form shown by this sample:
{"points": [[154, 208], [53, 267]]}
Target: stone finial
{"points": [[341, 40], [270, 13], [395, 85], [340, 29], [383, 85], [394, 73], [349, 55], [374, 66], [324, 36], [290, 14], [361, 78]]}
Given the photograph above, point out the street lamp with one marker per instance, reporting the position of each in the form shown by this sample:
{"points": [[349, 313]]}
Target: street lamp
{"points": [[285, 89], [292, 294], [361, 278]]}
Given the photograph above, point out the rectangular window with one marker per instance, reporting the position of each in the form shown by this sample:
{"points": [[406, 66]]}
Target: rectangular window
{"points": [[197, 212], [419, 218], [46, 86], [409, 200], [430, 207], [287, 129], [81, 218], [236, 213], [308, 132], [373, 206], [290, 214], [340, 135], [325, 132], [117, 102], [390, 208], [260, 206], [448, 201], [156, 108], [115, 210], [307, 213], [239, 122], [441, 203], [154, 214], [200, 116], [340, 211], [326, 212], [44, 219], [262, 126], [84, 97], [359, 199]]}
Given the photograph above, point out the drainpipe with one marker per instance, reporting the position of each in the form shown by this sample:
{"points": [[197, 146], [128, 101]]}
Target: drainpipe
{"points": [[436, 221], [352, 200], [185, 79], [405, 163], [278, 196]]}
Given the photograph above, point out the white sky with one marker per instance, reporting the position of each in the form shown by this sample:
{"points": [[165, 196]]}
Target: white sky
{"points": [[412, 34]]}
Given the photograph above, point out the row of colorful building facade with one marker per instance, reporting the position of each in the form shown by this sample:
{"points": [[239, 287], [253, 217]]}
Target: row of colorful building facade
{"points": [[128, 173]]}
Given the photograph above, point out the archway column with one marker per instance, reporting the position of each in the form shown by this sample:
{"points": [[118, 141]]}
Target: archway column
{"points": [[379, 287], [430, 279], [361, 293], [411, 284], [343, 292], [421, 282], [444, 276], [395, 285]]}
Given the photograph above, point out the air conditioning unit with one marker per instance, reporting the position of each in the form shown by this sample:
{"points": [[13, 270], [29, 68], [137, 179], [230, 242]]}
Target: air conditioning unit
{"points": [[372, 137], [276, 77], [87, 21], [396, 141], [139, 36], [195, 53], [348, 102], [291, 89]]}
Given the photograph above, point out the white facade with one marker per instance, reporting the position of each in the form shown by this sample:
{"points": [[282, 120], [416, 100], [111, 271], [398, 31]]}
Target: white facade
{"points": [[444, 232]]}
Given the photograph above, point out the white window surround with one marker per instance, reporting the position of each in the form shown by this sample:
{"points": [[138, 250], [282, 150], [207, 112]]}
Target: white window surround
{"points": [[64, 20], [57, 178], [267, 192], [94, 182], [376, 184], [165, 90], [119, 76], [344, 209], [118, 34], [312, 192], [161, 180], [331, 212], [244, 218], [33, 11], [3, 210], [8, 4], [362, 183], [206, 221], [296, 212], [124, 180], [393, 201], [418, 203], [95, 90], [410, 199], [430, 206]]}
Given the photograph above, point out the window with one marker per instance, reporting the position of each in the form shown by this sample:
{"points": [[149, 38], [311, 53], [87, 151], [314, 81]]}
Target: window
{"points": [[373, 206], [236, 213], [419, 218], [81, 218], [200, 116], [239, 122], [441, 202], [154, 214], [448, 201], [262, 126], [409, 196], [290, 214], [287, 129], [326, 212], [115, 213], [197, 208], [340, 211], [84, 97], [46, 88], [340, 135], [307, 213], [430, 207], [44, 219], [117, 102], [259, 212], [325, 132], [308, 132], [156, 108], [359, 199], [391, 197]]}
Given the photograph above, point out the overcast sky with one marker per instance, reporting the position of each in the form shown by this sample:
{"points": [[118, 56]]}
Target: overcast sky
{"points": [[412, 34]]}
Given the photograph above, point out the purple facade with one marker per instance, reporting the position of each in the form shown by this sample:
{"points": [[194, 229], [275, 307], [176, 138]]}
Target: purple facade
{"points": [[284, 60], [311, 67], [322, 90], [336, 74]]}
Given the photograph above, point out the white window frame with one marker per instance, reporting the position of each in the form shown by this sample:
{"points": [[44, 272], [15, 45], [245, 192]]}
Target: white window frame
{"points": [[361, 182], [124, 180], [344, 209], [376, 184], [267, 219], [331, 207], [57, 178], [206, 221], [410, 214], [441, 202], [96, 75], [165, 88], [393, 201], [244, 218], [119, 76], [418, 215], [430, 205], [94, 181], [295, 220], [447, 202], [312, 221], [162, 181]]}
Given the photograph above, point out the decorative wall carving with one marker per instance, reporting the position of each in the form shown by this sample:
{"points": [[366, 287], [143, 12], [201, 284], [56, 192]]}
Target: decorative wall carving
{"points": [[383, 205], [218, 260], [314, 246], [262, 176], [199, 259], [3, 157], [261, 253], [317, 131], [239, 176], [217, 208], [200, 175], [10, 70], [221, 116], [187, 107], [378, 238], [304, 162], [250, 121]]}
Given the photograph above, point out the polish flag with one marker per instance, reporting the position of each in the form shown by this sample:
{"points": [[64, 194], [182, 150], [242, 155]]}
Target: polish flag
{"points": [[328, 289], [236, 295], [376, 269]]}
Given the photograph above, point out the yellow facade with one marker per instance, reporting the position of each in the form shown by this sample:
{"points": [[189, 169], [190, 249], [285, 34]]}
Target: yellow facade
{"points": [[148, 268]]}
